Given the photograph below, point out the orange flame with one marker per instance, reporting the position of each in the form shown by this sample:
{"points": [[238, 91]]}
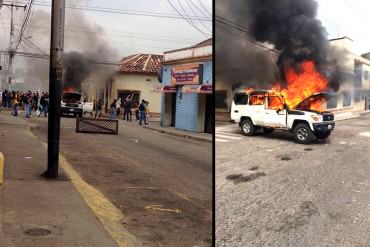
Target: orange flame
{"points": [[299, 85], [303, 84], [68, 90]]}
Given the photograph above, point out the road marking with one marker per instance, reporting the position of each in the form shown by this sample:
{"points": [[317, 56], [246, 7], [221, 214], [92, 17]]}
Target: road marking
{"points": [[160, 208], [228, 137], [366, 134]]}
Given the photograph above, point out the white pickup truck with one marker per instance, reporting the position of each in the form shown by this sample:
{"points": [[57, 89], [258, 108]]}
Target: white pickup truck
{"points": [[72, 104], [268, 111]]}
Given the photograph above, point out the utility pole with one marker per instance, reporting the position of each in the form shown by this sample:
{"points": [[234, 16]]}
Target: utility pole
{"points": [[55, 86], [11, 38]]}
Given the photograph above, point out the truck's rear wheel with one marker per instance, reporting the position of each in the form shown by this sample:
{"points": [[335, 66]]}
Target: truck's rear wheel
{"points": [[247, 127], [322, 135], [303, 134]]}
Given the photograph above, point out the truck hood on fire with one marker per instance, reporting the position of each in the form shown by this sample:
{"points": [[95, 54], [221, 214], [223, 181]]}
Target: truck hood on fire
{"points": [[71, 97], [305, 104]]}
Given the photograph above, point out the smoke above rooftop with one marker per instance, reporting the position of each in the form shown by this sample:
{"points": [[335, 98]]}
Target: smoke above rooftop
{"points": [[290, 26], [85, 46]]}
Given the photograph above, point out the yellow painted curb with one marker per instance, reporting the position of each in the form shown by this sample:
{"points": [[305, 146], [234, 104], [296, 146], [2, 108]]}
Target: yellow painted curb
{"points": [[1, 168], [110, 216]]}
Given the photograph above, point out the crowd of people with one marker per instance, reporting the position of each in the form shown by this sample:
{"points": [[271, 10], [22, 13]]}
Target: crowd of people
{"points": [[128, 105], [34, 102], [27, 101]]}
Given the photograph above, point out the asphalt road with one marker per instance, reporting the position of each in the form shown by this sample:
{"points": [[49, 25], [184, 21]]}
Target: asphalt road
{"points": [[161, 183], [271, 191]]}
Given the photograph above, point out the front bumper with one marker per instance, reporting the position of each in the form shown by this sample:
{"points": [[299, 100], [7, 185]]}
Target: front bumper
{"points": [[324, 127], [71, 110]]}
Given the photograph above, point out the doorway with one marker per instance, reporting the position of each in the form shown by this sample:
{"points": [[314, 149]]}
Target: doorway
{"points": [[173, 109], [208, 123]]}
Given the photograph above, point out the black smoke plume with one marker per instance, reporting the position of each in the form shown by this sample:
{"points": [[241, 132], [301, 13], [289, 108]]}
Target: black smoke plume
{"points": [[76, 69], [291, 26]]}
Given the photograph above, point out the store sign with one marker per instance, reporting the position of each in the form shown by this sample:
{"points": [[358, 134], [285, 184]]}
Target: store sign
{"points": [[187, 74], [165, 89], [207, 89]]}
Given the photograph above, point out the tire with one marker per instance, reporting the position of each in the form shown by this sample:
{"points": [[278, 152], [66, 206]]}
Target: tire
{"points": [[247, 127], [268, 130], [322, 135], [303, 134]]}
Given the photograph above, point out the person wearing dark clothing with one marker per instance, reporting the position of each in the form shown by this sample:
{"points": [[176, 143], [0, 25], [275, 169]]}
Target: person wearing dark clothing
{"points": [[98, 108], [113, 109], [44, 104], [142, 111], [129, 110]]}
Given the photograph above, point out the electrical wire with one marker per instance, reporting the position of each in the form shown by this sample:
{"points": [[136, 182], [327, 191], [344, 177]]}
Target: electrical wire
{"points": [[125, 11], [191, 8], [205, 34]]}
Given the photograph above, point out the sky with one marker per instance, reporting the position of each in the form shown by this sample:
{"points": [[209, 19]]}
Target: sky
{"points": [[347, 18], [128, 34]]}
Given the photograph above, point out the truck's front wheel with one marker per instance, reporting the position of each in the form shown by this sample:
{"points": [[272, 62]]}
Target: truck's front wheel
{"points": [[303, 134], [247, 127], [322, 135]]}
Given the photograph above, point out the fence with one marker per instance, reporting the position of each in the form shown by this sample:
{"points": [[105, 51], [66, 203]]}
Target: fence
{"points": [[97, 126]]}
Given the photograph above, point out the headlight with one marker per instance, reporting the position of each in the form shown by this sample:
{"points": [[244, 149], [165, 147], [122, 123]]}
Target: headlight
{"points": [[316, 118], [63, 103]]}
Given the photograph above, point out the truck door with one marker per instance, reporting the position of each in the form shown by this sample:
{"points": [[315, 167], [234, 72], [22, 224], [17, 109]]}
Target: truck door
{"points": [[274, 114], [256, 108], [238, 106]]}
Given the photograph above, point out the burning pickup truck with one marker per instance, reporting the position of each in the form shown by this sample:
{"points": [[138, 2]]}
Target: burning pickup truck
{"points": [[267, 110], [72, 104]]}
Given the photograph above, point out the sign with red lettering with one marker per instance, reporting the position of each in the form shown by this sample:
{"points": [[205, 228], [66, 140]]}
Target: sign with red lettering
{"points": [[186, 74]]}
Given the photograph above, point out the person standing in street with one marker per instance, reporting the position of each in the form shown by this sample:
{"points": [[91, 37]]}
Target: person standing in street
{"points": [[142, 112], [113, 110], [15, 104], [44, 104], [118, 106], [98, 108], [27, 104], [129, 108]]}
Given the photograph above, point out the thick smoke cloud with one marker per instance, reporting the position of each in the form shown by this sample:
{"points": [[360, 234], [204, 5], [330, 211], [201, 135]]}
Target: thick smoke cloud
{"points": [[289, 25], [76, 69], [85, 45], [292, 27], [238, 60]]}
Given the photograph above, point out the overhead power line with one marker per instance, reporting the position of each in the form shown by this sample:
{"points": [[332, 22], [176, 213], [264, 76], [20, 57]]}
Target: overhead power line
{"points": [[126, 11], [191, 8], [239, 28], [187, 20]]}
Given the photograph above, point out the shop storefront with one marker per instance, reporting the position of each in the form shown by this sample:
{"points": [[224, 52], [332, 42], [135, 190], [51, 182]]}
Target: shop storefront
{"points": [[187, 102]]}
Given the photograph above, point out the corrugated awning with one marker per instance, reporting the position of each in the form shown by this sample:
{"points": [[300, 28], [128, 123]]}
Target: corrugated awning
{"points": [[165, 89], [207, 89]]}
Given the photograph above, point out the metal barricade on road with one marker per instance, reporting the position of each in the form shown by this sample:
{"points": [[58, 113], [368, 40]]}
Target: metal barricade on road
{"points": [[97, 126]]}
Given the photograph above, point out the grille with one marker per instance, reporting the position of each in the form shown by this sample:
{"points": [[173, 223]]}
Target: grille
{"points": [[72, 105], [97, 126], [328, 117]]}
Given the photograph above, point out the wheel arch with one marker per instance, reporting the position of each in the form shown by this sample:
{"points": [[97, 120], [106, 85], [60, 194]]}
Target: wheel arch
{"points": [[299, 121]]}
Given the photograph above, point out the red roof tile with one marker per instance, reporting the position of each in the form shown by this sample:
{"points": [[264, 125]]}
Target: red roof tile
{"points": [[141, 64]]}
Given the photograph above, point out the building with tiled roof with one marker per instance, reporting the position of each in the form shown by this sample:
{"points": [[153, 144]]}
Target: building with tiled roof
{"points": [[135, 75], [141, 64]]}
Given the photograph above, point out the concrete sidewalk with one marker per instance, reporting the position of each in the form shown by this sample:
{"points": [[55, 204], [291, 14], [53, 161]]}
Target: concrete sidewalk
{"points": [[35, 211], [155, 126]]}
